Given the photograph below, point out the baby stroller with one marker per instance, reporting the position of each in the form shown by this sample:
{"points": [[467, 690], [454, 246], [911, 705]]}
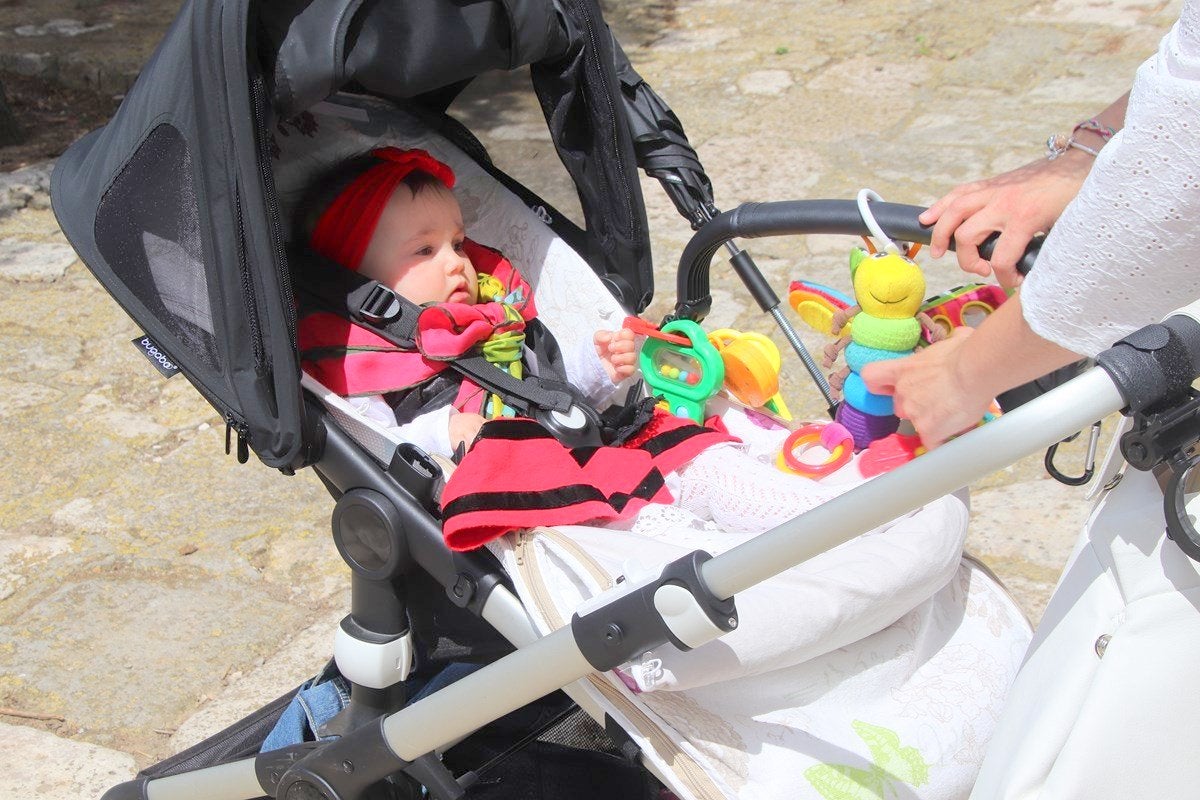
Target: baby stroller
{"points": [[176, 207]]}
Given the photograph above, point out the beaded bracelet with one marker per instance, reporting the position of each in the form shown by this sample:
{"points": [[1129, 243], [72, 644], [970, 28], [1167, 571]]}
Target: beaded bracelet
{"points": [[1093, 125], [1059, 143]]}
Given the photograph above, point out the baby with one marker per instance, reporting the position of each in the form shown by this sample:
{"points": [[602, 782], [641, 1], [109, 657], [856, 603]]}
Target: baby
{"points": [[392, 217], [418, 248]]}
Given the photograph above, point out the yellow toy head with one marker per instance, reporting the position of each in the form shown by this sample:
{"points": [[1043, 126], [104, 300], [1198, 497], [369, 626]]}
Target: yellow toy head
{"points": [[887, 285]]}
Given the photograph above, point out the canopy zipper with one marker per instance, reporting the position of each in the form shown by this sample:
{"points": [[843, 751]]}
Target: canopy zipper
{"points": [[267, 184]]}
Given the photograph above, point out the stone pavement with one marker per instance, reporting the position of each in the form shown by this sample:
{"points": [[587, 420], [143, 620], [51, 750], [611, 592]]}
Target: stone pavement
{"points": [[152, 590]]}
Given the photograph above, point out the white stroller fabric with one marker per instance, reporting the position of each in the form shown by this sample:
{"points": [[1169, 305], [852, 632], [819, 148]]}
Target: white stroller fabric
{"points": [[1105, 707], [875, 670]]}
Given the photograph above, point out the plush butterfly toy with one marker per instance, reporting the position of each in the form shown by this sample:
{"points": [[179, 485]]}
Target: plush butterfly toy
{"points": [[888, 317]]}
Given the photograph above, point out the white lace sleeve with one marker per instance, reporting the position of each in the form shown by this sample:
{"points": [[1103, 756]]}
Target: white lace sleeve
{"points": [[429, 431], [1126, 252], [586, 373]]}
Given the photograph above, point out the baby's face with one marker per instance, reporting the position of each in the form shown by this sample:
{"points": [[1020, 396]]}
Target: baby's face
{"points": [[417, 248]]}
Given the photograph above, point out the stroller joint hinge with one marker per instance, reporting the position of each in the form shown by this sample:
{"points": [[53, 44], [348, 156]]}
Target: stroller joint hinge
{"points": [[345, 768], [675, 606], [269, 767], [1165, 441]]}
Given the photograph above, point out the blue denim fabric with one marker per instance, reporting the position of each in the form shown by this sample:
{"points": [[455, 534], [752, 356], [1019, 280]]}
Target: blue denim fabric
{"points": [[320, 699], [316, 702]]}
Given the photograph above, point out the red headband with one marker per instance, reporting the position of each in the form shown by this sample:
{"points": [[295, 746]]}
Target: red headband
{"points": [[345, 228]]}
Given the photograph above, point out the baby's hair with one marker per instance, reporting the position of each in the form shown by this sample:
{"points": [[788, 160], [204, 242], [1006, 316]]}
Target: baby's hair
{"points": [[325, 188]]}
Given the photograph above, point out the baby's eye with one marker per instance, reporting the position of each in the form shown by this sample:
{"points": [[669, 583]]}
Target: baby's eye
{"points": [[425, 251], [459, 247]]}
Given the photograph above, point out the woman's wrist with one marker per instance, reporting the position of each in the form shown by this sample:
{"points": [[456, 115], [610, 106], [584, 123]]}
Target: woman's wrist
{"points": [[1004, 352], [1090, 135]]}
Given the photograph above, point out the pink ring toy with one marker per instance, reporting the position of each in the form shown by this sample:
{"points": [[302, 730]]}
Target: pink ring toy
{"points": [[832, 436]]}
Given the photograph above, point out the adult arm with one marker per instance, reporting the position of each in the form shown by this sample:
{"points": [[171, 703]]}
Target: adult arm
{"points": [[1126, 252], [947, 387], [1018, 205]]}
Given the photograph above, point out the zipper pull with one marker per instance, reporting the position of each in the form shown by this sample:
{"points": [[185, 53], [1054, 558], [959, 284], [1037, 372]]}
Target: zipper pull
{"points": [[243, 441], [243, 444]]}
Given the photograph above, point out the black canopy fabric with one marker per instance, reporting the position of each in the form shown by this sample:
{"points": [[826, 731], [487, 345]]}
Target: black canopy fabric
{"points": [[172, 207]]}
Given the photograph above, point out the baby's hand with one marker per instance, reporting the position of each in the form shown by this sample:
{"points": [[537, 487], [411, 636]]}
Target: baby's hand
{"points": [[617, 353], [463, 429]]}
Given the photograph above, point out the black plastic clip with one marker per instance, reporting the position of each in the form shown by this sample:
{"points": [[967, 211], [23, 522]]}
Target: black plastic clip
{"points": [[1089, 463], [631, 624], [1169, 438], [380, 305], [1160, 437]]}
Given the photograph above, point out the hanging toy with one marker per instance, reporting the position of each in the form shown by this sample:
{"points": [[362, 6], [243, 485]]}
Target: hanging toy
{"points": [[680, 366], [884, 322], [963, 307], [752, 365]]}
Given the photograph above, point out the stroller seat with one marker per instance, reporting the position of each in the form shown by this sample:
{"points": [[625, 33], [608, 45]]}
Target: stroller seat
{"points": [[882, 663]]}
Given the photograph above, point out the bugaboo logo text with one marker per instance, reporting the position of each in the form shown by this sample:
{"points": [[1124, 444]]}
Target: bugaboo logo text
{"points": [[542, 214], [157, 357], [156, 354]]}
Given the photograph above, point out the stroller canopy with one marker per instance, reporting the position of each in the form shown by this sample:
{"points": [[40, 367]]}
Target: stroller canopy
{"points": [[172, 206]]}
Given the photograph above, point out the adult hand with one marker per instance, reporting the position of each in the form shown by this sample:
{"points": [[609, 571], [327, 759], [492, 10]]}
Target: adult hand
{"points": [[1018, 204], [930, 390]]}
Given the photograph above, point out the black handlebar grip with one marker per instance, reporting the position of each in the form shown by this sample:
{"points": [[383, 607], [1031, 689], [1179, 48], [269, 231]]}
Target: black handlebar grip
{"points": [[1026, 261]]}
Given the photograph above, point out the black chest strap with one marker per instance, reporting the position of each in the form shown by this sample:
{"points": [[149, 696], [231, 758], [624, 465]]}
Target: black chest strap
{"points": [[545, 397]]}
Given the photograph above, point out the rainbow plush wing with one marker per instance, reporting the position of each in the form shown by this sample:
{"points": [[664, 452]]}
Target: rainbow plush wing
{"points": [[816, 305], [963, 306]]}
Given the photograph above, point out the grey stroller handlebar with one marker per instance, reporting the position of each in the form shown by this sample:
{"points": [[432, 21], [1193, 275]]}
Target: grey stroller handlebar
{"points": [[792, 217]]}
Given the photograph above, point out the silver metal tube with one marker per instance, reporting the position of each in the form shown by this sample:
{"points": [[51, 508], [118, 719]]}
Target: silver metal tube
{"points": [[233, 781], [504, 612], [1037, 424], [814, 370], [793, 339], [503, 686]]}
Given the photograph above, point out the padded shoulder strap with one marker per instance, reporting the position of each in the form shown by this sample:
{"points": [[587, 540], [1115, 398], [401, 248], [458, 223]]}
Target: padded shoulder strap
{"points": [[326, 286]]}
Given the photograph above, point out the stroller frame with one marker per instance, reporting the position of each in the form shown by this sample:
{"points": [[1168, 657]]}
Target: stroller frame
{"points": [[689, 603]]}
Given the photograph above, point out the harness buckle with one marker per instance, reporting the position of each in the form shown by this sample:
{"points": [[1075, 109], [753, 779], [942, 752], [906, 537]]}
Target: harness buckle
{"points": [[380, 305], [578, 426]]}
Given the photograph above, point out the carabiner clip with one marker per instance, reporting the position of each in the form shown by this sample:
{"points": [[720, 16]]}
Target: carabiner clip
{"points": [[1089, 469]]}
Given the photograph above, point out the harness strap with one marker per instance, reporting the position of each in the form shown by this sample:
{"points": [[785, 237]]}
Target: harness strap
{"points": [[393, 317]]}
